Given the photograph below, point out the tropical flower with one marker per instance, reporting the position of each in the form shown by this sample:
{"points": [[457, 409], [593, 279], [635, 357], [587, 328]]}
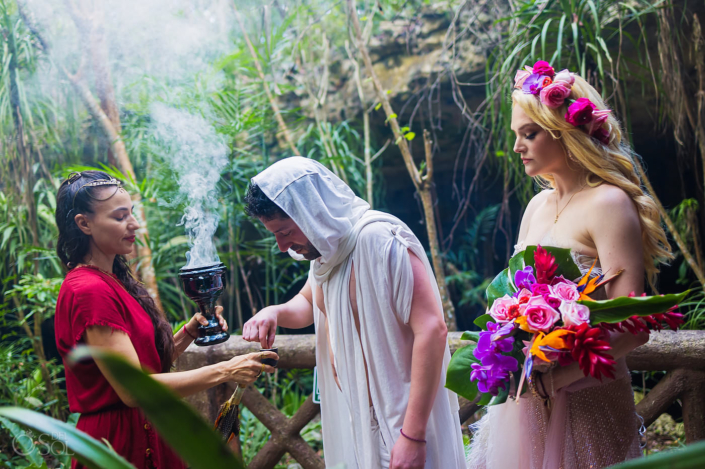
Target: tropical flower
{"points": [[551, 343], [523, 279], [545, 265], [534, 83], [590, 351]]}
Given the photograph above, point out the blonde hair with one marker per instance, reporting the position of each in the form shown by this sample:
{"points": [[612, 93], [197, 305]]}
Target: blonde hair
{"points": [[612, 163]]}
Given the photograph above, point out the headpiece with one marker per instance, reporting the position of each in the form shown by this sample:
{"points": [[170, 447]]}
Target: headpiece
{"points": [[553, 90], [73, 177]]}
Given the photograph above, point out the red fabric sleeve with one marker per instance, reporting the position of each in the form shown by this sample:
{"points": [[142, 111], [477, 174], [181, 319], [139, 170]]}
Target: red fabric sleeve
{"points": [[96, 304]]}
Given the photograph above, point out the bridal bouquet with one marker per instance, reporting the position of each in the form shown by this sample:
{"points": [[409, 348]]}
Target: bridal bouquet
{"points": [[540, 313]]}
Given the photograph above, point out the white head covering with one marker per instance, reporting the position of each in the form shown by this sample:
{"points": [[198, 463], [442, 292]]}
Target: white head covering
{"points": [[319, 202]]}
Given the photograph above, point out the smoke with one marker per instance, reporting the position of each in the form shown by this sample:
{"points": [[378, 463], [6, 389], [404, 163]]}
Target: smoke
{"points": [[160, 54], [197, 156]]}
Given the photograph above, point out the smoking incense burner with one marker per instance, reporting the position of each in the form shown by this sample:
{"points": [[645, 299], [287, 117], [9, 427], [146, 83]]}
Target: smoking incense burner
{"points": [[204, 285]]}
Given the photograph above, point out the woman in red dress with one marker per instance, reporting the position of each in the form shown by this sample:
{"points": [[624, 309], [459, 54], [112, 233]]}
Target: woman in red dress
{"points": [[101, 304]]}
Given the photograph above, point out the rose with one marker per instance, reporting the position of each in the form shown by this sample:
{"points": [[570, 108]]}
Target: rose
{"points": [[565, 291], [602, 136], [500, 308], [574, 314], [523, 296], [520, 77], [543, 68], [580, 112], [540, 316], [554, 95], [565, 77], [533, 83], [540, 289], [552, 301]]}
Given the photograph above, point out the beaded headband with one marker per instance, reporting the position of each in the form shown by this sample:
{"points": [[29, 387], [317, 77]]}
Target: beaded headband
{"points": [[553, 90], [73, 177]]}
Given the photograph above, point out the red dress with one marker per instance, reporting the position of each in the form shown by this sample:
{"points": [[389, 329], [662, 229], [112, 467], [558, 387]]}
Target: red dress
{"points": [[91, 297]]}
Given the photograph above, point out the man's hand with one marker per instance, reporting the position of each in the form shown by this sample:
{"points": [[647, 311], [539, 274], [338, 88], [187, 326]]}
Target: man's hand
{"points": [[262, 327], [407, 454]]}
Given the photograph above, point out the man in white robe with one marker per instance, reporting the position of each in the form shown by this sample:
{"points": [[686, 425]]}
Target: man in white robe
{"points": [[381, 346]]}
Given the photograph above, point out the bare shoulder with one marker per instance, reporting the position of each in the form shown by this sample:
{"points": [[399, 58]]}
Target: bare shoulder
{"points": [[610, 201], [536, 201]]}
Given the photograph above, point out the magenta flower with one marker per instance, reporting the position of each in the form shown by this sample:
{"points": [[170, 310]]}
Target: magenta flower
{"points": [[580, 112], [543, 68], [554, 95]]}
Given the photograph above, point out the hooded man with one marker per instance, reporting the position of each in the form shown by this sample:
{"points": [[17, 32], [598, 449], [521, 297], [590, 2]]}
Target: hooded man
{"points": [[381, 346]]}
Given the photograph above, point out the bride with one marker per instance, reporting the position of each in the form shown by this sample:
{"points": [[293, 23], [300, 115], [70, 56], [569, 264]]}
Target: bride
{"points": [[593, 204]]}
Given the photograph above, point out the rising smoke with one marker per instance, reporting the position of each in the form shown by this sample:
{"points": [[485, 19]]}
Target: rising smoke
{"points": [[156, 49], [197, 156]]}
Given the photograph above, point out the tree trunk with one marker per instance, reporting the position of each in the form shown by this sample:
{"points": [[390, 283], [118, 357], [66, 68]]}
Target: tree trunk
{"points": [[422, 184]]}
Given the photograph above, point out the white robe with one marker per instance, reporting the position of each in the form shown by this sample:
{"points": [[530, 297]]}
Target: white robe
{"points": [[345, 231]]}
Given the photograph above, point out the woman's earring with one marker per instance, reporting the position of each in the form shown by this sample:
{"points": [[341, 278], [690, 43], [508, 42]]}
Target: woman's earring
{"points": [[570, 155]]}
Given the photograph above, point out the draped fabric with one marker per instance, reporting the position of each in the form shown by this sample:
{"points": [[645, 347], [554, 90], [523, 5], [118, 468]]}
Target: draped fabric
{"points": [[347, 233]]}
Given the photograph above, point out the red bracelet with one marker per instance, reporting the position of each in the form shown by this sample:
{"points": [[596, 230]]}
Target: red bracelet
{"points": [[187, 332], [410, 438]]}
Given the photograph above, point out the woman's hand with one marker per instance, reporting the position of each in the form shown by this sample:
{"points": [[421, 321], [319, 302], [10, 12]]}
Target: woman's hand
{"points": [[245, 369], [198, 319]]}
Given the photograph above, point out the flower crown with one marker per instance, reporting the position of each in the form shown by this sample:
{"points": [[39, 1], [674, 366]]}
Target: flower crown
{"points": [[553, 90]]}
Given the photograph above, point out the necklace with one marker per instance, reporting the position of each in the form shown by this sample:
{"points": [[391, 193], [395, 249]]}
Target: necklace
{"points": [[558, 214]]}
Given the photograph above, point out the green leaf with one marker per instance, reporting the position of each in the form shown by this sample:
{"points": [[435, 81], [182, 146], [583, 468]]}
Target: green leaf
{"points": [[25, 442], [485, 399], [470, 335], [622, 308], [391, 116], [410, 135], [482, 321], [177, 423], [87, 450], [405, 129], [458, 373], [379, 105], [690, 457], [500, 286], [566, 264]]}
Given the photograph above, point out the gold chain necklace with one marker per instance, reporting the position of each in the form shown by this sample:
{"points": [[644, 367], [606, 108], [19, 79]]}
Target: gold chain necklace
{"points": [[558, 214]]}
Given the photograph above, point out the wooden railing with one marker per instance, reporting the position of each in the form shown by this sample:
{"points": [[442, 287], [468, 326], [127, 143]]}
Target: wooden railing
{"points": [[680, 354]]}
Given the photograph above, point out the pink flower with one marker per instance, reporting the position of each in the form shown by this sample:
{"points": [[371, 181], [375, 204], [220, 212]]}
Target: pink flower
{"points": [[543, 68], [520, 77], [523, 296], [552, 301], [540, 289], [565, 291], [580, 112], [602, 136], [565, 77], [554, 95], [574, 314], [539, 315], [599, 117], [500, 309]]}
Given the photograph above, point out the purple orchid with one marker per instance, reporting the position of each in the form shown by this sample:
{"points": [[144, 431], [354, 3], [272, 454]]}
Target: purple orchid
{"points": [[524, 278], [534, 83], [493, 370]]}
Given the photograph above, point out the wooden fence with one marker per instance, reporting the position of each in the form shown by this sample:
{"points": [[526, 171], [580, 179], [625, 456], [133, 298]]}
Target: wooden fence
{"points": [[680, 354]]}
